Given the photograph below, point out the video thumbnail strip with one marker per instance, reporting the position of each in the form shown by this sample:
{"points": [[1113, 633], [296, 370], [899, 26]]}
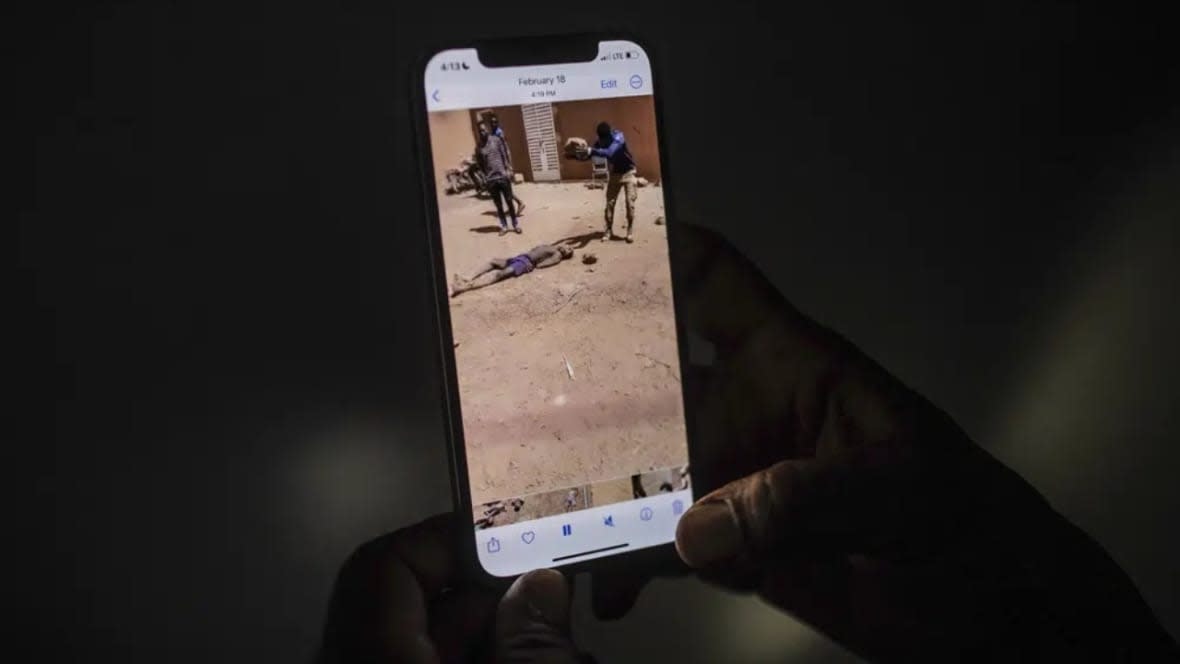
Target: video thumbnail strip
{"points": [[580, 497]]}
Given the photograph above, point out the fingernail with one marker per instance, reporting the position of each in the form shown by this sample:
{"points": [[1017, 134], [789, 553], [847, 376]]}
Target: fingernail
{"points": [[707, 533]]}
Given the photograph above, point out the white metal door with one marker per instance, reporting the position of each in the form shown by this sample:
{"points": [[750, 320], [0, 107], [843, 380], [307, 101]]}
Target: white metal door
{"points": [[541, 136]]}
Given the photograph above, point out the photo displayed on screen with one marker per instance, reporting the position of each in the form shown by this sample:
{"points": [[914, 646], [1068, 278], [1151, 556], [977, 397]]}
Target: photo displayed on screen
{"points": [[553, 238]]}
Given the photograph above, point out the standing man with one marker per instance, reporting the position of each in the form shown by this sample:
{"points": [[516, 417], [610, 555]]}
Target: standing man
{"points": [[496, 165], [497, 130], [613, 147]]}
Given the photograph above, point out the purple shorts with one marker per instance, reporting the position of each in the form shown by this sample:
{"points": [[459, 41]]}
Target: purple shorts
{"points": [[520, 265]]}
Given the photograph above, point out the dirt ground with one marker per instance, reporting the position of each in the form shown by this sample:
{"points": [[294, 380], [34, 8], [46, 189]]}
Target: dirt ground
{"points": [[529, 426], [617, 490]]}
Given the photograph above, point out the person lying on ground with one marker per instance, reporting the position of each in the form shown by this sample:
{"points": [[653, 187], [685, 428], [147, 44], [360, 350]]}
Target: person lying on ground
{"points": [[845, 498], [499, 269]]}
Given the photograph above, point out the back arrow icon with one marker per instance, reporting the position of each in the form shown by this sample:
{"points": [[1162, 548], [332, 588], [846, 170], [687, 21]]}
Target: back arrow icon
{"points": [[434, 95]]}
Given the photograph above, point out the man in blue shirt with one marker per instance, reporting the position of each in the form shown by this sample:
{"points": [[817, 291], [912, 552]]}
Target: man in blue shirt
{"points": [[613, 147], [499, 131]]}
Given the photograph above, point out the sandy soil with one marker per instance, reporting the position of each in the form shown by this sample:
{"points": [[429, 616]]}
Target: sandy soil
{"points": [[529, 427], [617, 490]]}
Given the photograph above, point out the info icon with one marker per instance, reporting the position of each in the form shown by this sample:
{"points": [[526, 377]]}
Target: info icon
{"points": [[645, 514]]}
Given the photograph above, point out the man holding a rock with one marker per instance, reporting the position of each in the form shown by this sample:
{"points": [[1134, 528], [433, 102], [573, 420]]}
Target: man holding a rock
{"points": [[613, 147]]}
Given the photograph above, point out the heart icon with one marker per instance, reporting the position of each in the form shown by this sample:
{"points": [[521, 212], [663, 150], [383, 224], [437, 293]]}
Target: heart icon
{"points": [[528, 536]]}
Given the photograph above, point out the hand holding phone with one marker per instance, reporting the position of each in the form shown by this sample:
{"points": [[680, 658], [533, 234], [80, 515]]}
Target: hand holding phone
{"points": [[858, 506], [406, 598], [851, 501], [910, 541]]}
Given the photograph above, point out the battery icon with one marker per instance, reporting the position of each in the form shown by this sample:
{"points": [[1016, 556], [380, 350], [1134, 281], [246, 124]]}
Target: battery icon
{"points": [[632, 55]]}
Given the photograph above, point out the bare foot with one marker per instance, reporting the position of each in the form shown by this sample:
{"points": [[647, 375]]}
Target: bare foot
{"points": [[458, 285]]}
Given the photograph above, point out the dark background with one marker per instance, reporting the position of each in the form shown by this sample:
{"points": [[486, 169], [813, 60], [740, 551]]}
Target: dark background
{"points": [[221, 266]]}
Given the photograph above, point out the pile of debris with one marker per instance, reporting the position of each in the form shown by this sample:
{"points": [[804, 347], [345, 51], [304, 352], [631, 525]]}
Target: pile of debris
{"points": [[466, 176]]}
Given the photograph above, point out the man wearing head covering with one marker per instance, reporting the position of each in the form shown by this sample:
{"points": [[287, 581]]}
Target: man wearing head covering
{"points": [[612, 146]]}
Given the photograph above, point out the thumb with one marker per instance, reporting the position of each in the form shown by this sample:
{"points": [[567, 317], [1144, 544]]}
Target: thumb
{"points": [[793, 507], [533, 621]]}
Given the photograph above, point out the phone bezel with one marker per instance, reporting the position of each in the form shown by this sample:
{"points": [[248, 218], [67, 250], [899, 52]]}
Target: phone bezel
{"points": [[661, 559]]}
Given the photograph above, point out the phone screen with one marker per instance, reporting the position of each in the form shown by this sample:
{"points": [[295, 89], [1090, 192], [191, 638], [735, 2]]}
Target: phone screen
{"points": [[553, 240]]}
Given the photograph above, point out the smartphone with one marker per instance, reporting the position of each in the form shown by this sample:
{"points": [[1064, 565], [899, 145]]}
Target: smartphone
{"points": [[545, 187]]}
